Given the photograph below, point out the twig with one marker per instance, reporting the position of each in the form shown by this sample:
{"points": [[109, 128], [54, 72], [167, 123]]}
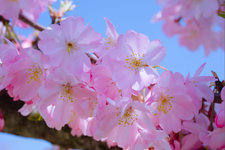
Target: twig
{"points": [[33, 24]]}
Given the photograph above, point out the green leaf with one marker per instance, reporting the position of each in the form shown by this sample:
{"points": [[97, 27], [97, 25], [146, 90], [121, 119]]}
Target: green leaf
{"points": [[222, 15]]}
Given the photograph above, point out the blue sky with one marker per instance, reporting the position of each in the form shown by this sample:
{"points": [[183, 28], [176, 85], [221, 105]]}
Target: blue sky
{"points": [[129, 15]]}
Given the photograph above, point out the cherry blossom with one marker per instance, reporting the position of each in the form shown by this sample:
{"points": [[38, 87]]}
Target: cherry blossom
{"points": [[134, 59], [170, 101], [10, 9]]}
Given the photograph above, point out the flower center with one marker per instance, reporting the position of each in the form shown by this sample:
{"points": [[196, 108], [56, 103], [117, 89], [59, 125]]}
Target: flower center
{"points": [[192, 35], [66, 94], [110, 43], [128, 118], [13, 1], [34, 73], [71, 47], [135, 61], [92, 104], [164, 104]]}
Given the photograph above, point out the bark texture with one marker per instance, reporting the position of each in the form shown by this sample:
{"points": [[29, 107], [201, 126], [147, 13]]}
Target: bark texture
{"points": [[17, 124]]}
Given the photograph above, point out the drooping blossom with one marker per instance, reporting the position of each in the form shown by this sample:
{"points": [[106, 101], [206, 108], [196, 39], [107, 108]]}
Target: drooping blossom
{"points": [[133, 60], [67, 43], [170, 101]]}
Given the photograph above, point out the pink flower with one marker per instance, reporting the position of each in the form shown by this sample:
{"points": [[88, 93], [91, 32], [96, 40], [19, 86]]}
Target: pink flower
{"points": [[68, 96], [195, 8], [103, 83], [78, 126], [217, 138], [197, 89], [198, 133], [122, 118], [170, 102], [29, 73], [40, 7], [133, 60], [192, 36], [152, 139], [111, 41], [220, 118], [8, 54], [67, 43], [10, 9], [2, 122]]}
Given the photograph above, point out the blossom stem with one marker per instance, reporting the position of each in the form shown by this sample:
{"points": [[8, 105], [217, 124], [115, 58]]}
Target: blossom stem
{"points": [[180, 138], [211, 117], [144, 94], [204, 113]]}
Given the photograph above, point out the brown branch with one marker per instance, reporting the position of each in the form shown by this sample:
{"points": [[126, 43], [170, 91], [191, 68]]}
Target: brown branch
{"points": [[217, 98], [33, 24], [17, 124]]}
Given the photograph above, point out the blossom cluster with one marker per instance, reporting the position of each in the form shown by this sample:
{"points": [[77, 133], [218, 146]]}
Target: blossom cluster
{"points": [[196, 22], [10, 9], [120, 99]]}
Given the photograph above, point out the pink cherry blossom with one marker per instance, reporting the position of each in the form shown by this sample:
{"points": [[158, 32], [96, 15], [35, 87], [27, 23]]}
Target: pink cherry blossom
{"points": [[217, 138], [170, 101], [220, 118], [10, 9], [197, 89], [122, 118], [67, 43], [133, 60], [193, 36], [68, 96], [29, 73], [8, 54], [111, 41], [103, 82], [78, 125], [2, 122], [197, 8], [152, 139], [198, 133], [40, 6]]}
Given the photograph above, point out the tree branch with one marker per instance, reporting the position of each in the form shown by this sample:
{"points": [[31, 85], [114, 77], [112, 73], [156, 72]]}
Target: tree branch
{"points": [[33, 24], [17, 124]]}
